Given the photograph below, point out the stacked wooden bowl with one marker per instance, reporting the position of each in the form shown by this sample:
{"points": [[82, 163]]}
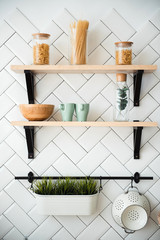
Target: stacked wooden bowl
{"points": [[36, 112]]}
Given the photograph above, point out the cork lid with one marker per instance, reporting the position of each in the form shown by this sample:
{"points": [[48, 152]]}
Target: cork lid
{"points": [[121, 77], [123, 44], [41, 35]]}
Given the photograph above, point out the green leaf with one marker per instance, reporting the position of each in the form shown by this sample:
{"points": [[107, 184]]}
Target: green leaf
{"points": [[122, 98], [65, 187]]}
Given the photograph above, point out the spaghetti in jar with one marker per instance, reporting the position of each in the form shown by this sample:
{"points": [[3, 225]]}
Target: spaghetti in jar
{"points": [[78, 44]]}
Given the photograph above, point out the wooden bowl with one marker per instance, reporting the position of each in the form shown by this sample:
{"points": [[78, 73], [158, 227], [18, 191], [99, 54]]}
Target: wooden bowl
{"points": [[36, 112]]}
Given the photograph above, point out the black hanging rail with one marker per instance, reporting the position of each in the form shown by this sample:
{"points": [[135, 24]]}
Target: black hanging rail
{"points": [[136, 177]]}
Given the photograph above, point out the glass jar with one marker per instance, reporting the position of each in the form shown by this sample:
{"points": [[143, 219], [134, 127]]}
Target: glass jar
{"points": [[41, 48], [78, 43], [123, 53], [121, 108]]}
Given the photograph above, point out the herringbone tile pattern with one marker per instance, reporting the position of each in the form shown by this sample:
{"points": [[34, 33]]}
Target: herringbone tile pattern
{"points": [[76, 151]]}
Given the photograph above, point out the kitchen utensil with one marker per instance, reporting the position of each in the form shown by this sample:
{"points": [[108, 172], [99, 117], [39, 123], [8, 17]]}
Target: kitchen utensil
{"points": [[134, 217], [36, 112], [67, 111], [82, 111], [131, 210]]}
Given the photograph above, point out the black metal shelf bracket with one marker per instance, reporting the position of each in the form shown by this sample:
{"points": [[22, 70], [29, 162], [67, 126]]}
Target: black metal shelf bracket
{"points": [[136, 177], [137, 134], [137, 86], [30, 85], [29, 131]]}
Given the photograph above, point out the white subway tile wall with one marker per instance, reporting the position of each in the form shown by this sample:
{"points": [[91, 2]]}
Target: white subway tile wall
{"points": [[71, 150], [6, 32], [144, 36], [21, 25]]}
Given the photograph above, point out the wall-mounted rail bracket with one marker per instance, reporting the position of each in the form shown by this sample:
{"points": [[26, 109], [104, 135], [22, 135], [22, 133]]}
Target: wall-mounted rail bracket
{"points": [[137, 140], [137, 86], [30, 85], [136, 177], [29, 131]]}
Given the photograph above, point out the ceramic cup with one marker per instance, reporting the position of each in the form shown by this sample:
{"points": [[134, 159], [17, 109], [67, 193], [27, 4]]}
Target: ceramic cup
{"points": [[82, 111], [67, 111]]}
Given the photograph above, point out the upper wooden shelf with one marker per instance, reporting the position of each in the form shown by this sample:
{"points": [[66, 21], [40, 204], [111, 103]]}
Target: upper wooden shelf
{"points": [[83, 68], [84, 124]]}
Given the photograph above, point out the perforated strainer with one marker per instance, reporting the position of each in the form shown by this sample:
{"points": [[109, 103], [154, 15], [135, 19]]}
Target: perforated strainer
{"points": [[131, 210], [134, 217]]}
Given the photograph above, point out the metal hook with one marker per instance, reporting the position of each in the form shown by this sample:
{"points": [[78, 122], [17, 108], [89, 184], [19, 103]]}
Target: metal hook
{"points": [[132, 178], [100, 187], [31, 185], [31, 178]]}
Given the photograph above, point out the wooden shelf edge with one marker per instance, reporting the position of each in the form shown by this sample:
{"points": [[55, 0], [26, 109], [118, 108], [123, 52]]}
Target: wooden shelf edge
{"points": [[83, 68], [84, 124]]}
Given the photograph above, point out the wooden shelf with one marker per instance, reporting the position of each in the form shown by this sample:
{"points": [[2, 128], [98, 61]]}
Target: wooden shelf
{"points": [[84, 124], [83, 68], [30, 125], [138, 71]]}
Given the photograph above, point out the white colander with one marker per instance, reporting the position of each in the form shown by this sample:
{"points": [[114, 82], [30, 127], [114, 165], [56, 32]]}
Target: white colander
{"points": [[134, 217], [131, 210]]}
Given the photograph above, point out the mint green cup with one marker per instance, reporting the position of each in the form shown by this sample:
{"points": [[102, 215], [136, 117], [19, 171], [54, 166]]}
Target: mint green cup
{"points": [[67, 111], [82, 112]]}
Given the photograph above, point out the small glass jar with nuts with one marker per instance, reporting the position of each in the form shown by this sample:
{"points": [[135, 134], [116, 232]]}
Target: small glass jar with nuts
{"points": [[40, 48], [123, 53]]}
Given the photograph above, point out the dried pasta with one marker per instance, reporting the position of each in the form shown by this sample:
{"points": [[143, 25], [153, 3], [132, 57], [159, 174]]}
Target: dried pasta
{"points": [[41, 53], [79, 42], [124, 57]]}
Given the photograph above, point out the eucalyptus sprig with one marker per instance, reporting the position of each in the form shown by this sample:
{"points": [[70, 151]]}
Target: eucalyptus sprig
{"points": [[122, 98]]}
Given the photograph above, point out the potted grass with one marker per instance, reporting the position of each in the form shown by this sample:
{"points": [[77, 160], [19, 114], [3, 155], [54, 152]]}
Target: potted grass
{"points": [[66, 196]]}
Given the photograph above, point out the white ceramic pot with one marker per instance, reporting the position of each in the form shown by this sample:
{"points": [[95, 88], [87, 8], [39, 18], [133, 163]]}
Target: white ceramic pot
{"points": [[66, 204]]}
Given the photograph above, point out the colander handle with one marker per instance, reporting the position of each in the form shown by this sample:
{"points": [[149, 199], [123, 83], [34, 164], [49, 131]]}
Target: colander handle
{"points": [[132, 188], [128, 231]]}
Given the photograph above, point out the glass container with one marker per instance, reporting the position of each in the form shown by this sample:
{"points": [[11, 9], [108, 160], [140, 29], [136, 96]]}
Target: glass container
{"points": [[40, 48], [121, 108], [123, 53], [78, 43]]}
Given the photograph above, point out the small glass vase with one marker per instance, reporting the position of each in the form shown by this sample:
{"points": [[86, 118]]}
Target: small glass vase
{"points": [[121, 109]]}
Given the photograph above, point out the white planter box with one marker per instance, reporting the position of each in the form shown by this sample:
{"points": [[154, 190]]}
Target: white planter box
{"points": [[66, 204]]}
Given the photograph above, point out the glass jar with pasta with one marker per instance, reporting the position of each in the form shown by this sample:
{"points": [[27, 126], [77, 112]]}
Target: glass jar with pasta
{"points": [[40, 48], [123, 53], [78, 44]]}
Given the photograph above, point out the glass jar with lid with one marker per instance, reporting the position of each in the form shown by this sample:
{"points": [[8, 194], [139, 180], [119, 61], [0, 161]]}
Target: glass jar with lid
{"points": [[78, 42], [41, 48], [123, 53]]}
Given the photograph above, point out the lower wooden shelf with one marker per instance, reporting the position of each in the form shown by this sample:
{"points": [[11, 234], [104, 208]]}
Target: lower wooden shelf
{"points": [[83, 124], [30, 125]]}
